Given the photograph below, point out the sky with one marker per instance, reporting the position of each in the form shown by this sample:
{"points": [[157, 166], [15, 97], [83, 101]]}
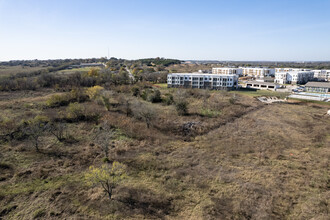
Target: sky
{"points": [[274, 30]]}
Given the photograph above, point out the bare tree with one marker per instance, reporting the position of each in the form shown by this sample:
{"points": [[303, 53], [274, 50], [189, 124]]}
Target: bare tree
{"points": [[58, 130], [181, 103], [126, 103], [105, 97], [34, 130], [103, 136], [144, 112]]}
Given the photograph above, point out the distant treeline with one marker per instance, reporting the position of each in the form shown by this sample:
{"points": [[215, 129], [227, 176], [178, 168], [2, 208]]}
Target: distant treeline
{"points": [[159, 61], [51, 63], [41, 71], [273, 64], [64, 82]]}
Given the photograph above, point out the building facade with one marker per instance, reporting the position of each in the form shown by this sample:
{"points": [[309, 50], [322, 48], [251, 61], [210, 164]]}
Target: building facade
{"points": [[318, 87], [293, 77], [322, 75], [202, 81], [262, 85], [257, 72], [289, 69], [227, 71]]}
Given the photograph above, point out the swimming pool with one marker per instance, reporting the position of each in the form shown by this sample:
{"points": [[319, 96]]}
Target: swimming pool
{"points": [[320, 95]]}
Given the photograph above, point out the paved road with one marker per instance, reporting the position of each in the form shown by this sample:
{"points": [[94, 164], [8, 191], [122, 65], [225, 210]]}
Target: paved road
{"points": [[287, 89]]}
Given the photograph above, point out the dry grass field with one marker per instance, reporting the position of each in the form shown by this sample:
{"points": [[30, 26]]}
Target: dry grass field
{"points": [[12, 70], [239, 159]]}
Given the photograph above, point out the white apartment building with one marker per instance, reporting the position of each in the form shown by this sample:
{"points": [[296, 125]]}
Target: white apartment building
{"points": [[257, 72], [327, 75], [289, 69], [202, 81], [293, 77], [227, 71], [319, 73], [322, 74]]}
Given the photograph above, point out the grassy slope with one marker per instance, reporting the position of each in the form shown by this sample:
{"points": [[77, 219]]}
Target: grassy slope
{"points": [[12, 70], [269, 161]]}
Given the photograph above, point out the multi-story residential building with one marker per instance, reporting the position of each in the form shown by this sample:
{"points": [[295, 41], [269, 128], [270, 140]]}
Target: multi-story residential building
{"points": [[320, 75], [289, 69], [227, 71], [280, 77], [327, 75], [293, 77], [257, 72], [202, 81]]}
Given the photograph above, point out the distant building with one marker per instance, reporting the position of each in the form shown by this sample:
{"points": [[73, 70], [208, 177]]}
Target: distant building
{"points": [[205, 71], [257, 72], [262, 85], [319, 87], [92, 64], [227, 71], [293, 77], [202, 81], [88, 65], [322, 75], [289, 69], [266, 79]]}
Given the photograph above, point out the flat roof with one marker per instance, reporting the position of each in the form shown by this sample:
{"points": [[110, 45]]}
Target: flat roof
{"points": [[202, 74], [226, 68], [318, 84], [264, 68], [265, 83]]}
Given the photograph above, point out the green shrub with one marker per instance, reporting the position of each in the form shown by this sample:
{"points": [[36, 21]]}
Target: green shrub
{"points": [[106, 103], [105, 160], [39, 213], [75, 111], [151, 95], [232, 100], [154, 96], [145, 94], [75, 95], [58, 100], [209, 113], [168, 99], [136, 91], [182, 107]]}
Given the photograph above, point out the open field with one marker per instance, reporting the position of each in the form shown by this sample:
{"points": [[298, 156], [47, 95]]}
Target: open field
{"points": [[241, 159], [255, 93], [83, 69], [247, 92], [6, 71]]}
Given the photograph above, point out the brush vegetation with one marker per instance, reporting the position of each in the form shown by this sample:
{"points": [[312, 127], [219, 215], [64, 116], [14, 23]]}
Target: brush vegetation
{"points": [[106, 146]]}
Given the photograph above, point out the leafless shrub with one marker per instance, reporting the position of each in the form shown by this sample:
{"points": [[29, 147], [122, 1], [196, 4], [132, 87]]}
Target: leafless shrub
{"points": [[58, 129], [103, 136], [144, 112], [34, 129], [181, 103], [125, 102]]}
